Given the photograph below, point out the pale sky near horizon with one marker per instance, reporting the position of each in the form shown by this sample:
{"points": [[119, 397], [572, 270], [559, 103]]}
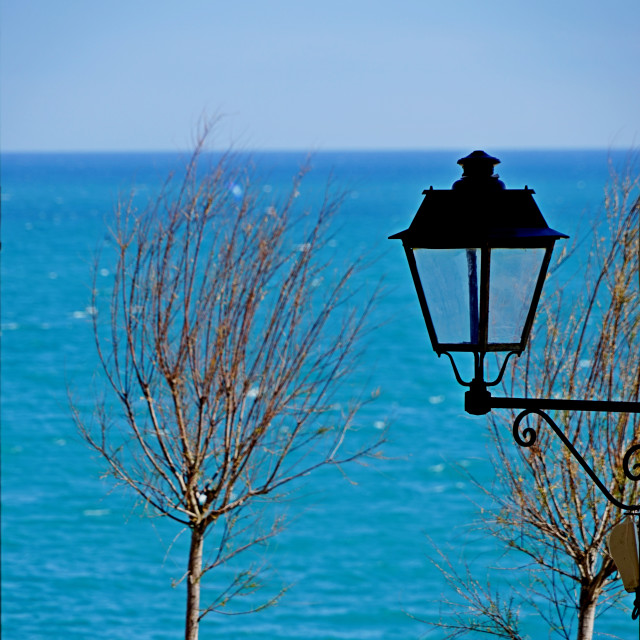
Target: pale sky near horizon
{"points": [[84, 75]]}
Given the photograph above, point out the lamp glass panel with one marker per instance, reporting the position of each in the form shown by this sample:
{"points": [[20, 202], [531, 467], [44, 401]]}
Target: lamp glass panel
{"points": [[512, 283], [449, 279]]}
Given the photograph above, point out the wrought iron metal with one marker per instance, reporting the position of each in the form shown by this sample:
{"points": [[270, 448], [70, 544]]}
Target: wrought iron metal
{"points": [[478, 359], [625, 463], [529, 436]]}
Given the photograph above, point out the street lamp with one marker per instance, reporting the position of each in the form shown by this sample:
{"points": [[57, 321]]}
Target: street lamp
{"points": [[478, 254]]}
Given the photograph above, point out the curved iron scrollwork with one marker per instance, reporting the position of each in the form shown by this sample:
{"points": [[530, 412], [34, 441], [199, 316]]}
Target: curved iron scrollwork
{"points": [[529, 435], [498, 380], [635, 473], [478, 359], [456, 373]]}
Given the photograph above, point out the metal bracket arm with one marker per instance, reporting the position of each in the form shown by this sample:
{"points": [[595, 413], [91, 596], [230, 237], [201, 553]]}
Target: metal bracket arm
{"points": [[479, 401], [555, 404], [528, 437], [536, 405]]}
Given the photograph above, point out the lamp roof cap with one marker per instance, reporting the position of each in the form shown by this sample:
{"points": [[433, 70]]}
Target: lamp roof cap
{"points": [[478, 156]]}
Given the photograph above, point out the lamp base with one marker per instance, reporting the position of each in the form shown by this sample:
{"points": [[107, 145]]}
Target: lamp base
{"points": [[477, 401]]}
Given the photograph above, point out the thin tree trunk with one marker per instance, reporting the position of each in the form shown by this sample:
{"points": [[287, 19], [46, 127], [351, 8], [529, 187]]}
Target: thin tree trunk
{"points": [[193, 584], [587, 613]]}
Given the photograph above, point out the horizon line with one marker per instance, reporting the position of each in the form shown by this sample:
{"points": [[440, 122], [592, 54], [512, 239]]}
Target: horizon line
{"points": [[311, 151]]}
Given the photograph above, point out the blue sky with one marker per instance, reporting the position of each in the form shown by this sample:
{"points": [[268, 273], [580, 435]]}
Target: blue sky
{"points": [[318, 75]]}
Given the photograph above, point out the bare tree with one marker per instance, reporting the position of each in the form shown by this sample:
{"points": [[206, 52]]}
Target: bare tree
{"points": [[546, 509], [229, 332]]}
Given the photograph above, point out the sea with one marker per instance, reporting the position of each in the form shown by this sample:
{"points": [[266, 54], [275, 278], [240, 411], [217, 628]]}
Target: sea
{"points": [[81, 559]]}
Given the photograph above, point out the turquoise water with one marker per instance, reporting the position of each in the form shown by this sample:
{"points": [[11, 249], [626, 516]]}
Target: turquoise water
{"points": [[80, 561]]}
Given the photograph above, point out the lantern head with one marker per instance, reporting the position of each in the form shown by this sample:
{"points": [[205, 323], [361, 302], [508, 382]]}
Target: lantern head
{"points": [[479, 255]]}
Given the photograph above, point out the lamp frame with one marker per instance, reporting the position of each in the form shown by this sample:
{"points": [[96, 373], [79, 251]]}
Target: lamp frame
{"points": [[483, 344]]}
